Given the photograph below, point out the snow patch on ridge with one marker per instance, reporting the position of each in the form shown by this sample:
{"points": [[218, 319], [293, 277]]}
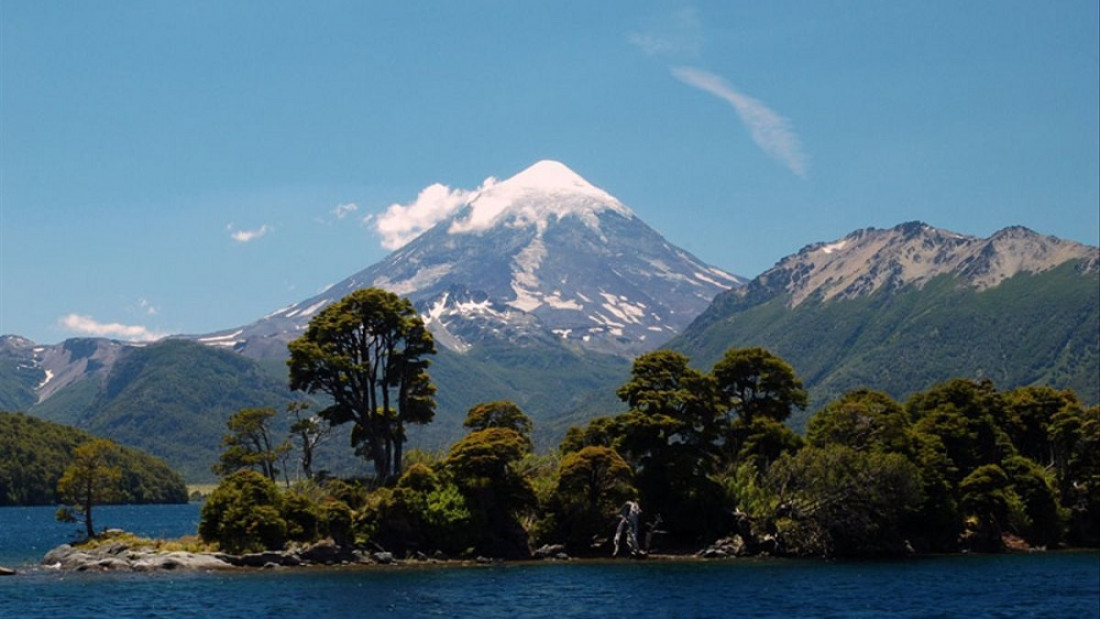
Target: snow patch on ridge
{"points": [[423, 278], [307, 312]]}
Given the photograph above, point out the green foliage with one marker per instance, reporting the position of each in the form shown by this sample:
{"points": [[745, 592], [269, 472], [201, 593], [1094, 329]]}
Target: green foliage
{"points": [[842, 502], [244, 514], [962, 413], [592, 484], [757, 384], [499, 414], [303, 517], [669, 438], [761, 441], [1026, 417], [484, 467], [988, 498], [745, 490], [421, 513], [172, 399], [34, 453], [1042, 520], [369, 353], [93, 478], [251, 444], [863, 420], [1075, 439], [1031, 329], [598, 432]]}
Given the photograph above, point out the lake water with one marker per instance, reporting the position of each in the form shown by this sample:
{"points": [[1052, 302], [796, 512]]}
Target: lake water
{"points": [[1055, 584]]}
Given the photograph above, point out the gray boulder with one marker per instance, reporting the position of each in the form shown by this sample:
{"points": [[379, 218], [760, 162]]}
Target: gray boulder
{"points": [[117, 558]]}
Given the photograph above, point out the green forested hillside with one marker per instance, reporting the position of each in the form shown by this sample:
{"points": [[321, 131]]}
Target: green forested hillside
{"points": [[34, 453], [1031, 329], [17, 382], [546, 382], [170, 399]]}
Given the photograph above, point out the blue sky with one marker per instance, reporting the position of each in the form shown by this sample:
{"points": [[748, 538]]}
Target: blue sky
{"points": [[184, 167]]}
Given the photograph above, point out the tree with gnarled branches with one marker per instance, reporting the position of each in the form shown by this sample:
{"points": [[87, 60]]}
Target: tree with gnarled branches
{"points": [[369, 352]]}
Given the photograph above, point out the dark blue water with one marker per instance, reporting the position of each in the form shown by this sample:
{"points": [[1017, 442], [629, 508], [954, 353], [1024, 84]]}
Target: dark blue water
{"points": [[1062, 584]]}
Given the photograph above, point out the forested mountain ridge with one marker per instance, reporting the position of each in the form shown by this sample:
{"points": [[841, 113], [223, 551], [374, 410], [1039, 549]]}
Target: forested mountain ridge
{"points": [[170, 398], [897, 309], [34, 454], [904, 308]]}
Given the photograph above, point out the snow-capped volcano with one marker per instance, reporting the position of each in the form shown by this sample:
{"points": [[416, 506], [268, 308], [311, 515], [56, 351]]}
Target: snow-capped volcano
{"points": [[543, 254]]}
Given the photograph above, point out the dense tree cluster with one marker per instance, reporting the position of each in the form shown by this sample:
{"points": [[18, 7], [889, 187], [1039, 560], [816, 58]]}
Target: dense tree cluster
{"points": [[706, 454], [35, 453]]}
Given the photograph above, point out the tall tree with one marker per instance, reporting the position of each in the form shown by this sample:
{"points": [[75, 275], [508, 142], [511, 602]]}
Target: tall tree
{"points": [[369, 353], [92, 479], [668, 436], [757, 383], [484, 466], [311, 432], [251, 444]]}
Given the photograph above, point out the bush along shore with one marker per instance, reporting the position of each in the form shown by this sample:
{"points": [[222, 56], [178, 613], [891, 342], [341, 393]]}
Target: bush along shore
{"points": [[960, 467]]}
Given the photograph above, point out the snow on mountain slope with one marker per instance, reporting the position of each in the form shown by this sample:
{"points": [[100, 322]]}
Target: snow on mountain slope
{"points": [[542, 254]]}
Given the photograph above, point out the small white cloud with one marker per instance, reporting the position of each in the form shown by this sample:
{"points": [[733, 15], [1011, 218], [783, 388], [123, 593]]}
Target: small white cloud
{"points": [[343, 210], [147, 307], [402, 223], [86, 325], [246, 236], [678, 35], [769, 130]]}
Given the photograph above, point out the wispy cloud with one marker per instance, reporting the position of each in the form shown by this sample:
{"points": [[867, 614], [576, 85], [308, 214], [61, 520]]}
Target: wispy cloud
{"points": [[86, 325], [343, 210], [145, 306], [769, 130], [247, 236], [402, 223], [678, 35]]}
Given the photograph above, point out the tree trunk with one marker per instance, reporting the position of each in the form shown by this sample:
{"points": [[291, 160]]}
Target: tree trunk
{"points": [[398, 445], [88, 508]]}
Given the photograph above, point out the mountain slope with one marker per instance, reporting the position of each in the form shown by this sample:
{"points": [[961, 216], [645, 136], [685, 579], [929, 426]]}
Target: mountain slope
{"points": [[901, 309], [543, 255], [170, 399]]}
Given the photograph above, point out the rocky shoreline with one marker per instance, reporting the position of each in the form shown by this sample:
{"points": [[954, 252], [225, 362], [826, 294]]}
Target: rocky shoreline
{"points": [[121, 556], [143, 556]]}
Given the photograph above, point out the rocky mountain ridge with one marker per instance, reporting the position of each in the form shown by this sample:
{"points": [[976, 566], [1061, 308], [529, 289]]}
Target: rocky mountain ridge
{"points": [[912, 254]]}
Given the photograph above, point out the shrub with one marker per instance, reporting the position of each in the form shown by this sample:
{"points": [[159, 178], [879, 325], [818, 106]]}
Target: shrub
{"points": [[243, 514]]}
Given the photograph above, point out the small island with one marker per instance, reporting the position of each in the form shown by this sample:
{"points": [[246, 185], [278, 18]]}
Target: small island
{"points": [[701, 465]]}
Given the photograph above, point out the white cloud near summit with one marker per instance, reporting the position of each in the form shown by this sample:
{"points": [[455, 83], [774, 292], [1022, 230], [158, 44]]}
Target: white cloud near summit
{"points": [[402, 223], [771, 132], [86, 325]]}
